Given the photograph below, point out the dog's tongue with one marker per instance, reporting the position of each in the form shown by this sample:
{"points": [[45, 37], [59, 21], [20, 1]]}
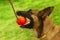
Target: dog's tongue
{"points": [[21, 20]]}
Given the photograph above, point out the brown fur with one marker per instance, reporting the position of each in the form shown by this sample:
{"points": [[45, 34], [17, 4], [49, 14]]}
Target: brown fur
{"points": [[40, 22], [50, 31]]}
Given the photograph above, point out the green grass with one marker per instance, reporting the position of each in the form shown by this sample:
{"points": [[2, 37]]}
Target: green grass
{"points": [[9, 30]]}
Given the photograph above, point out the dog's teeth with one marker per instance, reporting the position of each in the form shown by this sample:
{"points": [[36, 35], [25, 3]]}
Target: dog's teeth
{"points": [[27, 23]]}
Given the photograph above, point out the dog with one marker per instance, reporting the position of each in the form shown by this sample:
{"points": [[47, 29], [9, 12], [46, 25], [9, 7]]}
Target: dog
{"points": [[40, 22]]}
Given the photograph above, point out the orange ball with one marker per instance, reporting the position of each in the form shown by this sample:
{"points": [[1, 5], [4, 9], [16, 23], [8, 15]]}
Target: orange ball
{"points": [[21, 20]]}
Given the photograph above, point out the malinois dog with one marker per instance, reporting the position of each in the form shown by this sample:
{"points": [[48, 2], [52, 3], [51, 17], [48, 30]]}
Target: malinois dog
{"points": [[39, 21]]}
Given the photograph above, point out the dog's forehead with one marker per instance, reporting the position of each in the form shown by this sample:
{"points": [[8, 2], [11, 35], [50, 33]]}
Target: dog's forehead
{"points": [[35, 12]]}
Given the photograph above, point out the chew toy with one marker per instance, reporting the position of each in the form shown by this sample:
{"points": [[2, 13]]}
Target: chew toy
{"points": [[21, 20]]}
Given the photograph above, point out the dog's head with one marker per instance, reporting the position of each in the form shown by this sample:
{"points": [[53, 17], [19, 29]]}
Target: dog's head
{"points": [[36, 18]]}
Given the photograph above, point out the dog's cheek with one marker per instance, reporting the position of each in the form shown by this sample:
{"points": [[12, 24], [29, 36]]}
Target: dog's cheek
{"points": [[36, 25], [36, 21]]}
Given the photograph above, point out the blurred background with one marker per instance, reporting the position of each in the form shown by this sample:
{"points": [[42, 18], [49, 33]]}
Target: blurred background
{"points": [[9, 30]]}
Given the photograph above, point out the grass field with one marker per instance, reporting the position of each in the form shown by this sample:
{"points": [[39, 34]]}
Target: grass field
{"points": [[9, 30]]}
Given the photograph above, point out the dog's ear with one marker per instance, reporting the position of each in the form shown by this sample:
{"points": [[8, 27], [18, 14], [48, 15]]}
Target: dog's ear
{"points": [[41, 16], [45, 12]]}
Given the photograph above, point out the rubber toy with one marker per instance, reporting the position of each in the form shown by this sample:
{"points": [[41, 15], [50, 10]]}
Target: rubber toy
{"points": [[21, 20]]}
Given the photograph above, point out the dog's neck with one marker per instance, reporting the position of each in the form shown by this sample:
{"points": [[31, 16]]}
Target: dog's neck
{"points": [[47, 25], [49, 29]]}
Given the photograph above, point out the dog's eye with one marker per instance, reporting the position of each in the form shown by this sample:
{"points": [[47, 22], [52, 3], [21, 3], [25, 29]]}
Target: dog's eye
{"points": [[27, 21]]}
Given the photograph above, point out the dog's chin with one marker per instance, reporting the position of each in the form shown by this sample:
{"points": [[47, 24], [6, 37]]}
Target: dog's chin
{"points": [[23, 26], [27, 25]]}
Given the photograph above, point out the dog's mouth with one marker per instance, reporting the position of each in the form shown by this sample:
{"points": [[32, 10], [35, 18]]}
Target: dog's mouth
{"points": [[26, 24]]}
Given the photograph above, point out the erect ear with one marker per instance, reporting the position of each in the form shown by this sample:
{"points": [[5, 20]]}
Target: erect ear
{"points": [[45, 12]]}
